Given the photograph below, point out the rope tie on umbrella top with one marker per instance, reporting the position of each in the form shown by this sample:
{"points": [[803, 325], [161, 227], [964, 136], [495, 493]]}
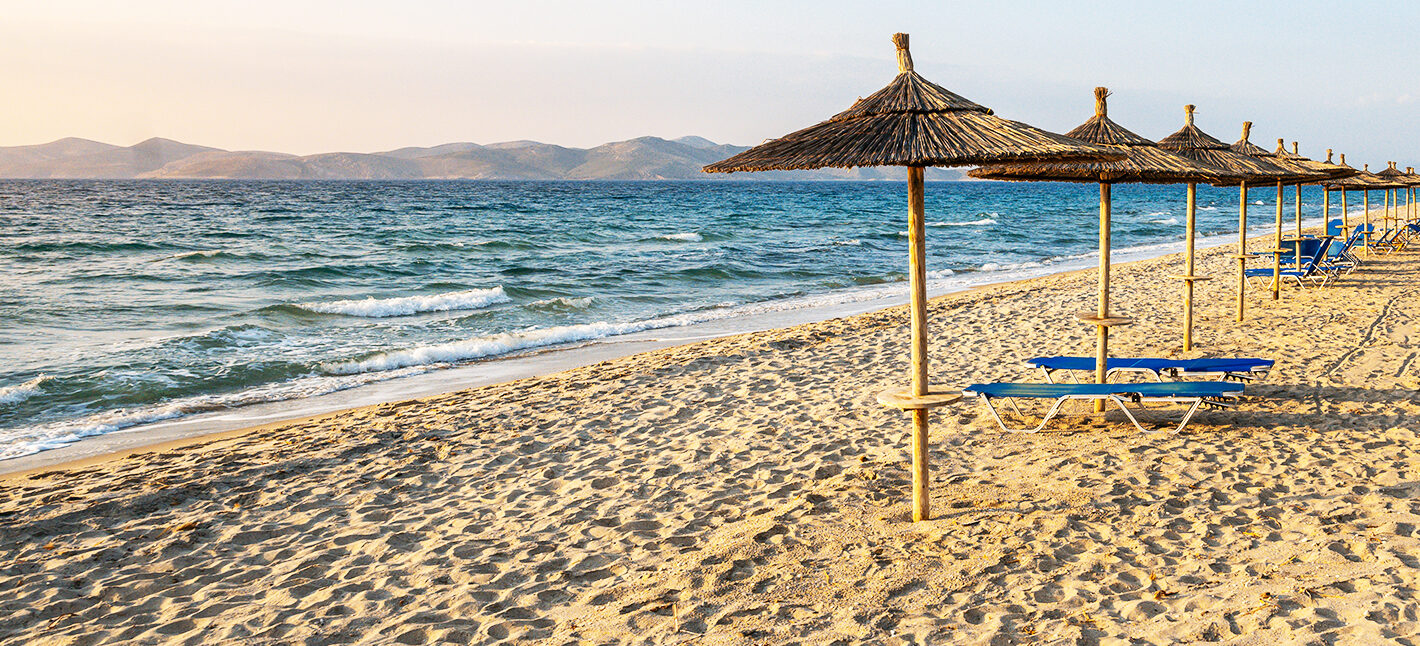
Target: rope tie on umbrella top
{"points": [[904, 57], [1188, 114]]}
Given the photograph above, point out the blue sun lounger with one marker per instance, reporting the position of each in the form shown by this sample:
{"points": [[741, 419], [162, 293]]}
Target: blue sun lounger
{"points": [[1194, 393], [1340, 259], [1313, 268], [1228, 368]]}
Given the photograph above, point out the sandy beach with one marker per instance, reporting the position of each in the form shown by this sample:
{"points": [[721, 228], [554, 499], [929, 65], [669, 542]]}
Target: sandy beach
{"points": [[749, 490]]}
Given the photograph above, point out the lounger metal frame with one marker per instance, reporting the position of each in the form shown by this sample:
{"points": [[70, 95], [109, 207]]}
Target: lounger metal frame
{"points": [[1118, 399], [1175, 374]]}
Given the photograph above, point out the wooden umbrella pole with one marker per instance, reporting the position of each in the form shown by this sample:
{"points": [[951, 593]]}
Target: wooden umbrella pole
{"points": [[1188, 268], [1242, 251], [1385, 213], [1366, 205], [1325, 209], [1102, 330], [917, 275], [1345, 217], [1299, 226], [1277, 255]]}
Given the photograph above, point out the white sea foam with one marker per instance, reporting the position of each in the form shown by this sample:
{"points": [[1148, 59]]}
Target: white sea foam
{"points": [[562, 302], [1207, 208], [973, 223], [203, 253], [682, 237], [1165, 221], [493, 345], [405, 305], [26, 441], [1158, 213], [1011, 266], [20, 392]]}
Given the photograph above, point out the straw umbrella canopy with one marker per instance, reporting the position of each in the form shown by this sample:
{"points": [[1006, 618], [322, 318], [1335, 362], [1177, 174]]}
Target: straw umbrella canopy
{"points": [[1193, 143], [914, 123], [1145, 162]]}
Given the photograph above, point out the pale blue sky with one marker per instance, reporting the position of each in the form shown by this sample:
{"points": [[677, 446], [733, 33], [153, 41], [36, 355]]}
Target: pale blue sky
{"points": [[363, 76]]}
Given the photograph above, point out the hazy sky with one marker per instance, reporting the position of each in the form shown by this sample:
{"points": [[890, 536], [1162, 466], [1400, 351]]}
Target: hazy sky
{"points": [[314, 76]]}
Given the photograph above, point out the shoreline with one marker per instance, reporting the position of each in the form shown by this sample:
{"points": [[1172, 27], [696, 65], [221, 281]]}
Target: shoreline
{"points": [[197, 428]]}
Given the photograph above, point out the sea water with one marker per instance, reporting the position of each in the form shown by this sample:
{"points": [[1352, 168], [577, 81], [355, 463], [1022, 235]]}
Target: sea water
{"points": [[128, 302]]}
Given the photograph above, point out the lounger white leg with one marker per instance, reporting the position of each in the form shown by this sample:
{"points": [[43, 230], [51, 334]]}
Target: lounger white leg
{"points": [[1197, 401], [1188, 416], [1001, 422], [1120, 403], [1049, 415]]}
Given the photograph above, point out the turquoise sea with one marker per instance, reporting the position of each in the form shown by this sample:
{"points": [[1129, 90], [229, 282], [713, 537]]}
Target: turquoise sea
{"points": [[128, 302]]}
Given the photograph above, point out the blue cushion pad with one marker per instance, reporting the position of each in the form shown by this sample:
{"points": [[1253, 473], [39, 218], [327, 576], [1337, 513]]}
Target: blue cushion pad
{"points": [[1228, 364], [1053, 391]]}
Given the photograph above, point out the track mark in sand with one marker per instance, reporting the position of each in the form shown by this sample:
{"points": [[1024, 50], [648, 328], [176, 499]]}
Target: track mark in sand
{"points": [[1366, 338], [1405, 364]]}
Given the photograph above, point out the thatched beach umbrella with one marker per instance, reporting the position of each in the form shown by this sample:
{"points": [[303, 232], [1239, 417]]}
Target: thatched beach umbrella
{"points": [[1331, 186], [1412, 180], [1297, 175], [1364, 181], [1333, 171], [1396, 179], [1145, 162], [914, 123], [1325, 170], [1193, 143]]}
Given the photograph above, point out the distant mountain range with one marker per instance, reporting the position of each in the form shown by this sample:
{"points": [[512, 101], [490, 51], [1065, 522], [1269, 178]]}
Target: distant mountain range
{"points": [[644, 158]]}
